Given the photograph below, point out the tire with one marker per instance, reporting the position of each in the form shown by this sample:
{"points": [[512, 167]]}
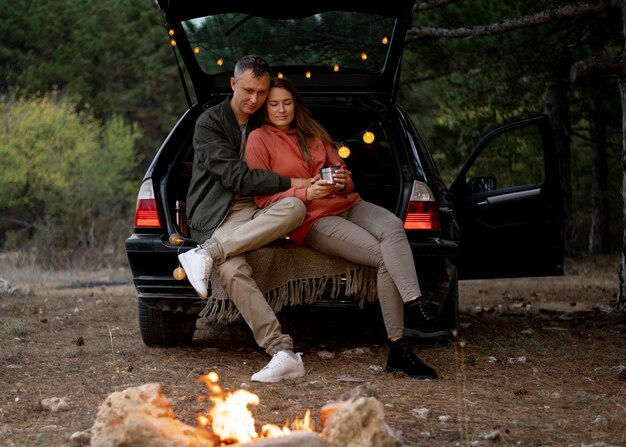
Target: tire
{"points": [[165, 329]]}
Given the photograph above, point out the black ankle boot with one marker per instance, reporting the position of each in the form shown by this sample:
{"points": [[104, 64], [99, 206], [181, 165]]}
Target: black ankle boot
{"points": [[420, 322], [402, 358]]}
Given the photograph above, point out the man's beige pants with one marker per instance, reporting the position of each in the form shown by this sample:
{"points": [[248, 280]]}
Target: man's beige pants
{"points": [[245, 228]]}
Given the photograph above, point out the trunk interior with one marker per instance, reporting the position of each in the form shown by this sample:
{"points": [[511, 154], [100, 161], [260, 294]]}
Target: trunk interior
{"points": [[374, 165]]}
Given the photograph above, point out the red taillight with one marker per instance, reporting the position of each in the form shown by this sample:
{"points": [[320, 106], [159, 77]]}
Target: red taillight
{"points": [[422, 216], [146, 213], [422, 212]]}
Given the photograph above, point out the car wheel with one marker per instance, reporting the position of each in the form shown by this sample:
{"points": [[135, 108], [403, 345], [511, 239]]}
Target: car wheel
{"points": [[165, 329]]}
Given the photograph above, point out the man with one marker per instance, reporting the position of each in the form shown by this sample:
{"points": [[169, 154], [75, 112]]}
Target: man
{"points": [[223, 216]]}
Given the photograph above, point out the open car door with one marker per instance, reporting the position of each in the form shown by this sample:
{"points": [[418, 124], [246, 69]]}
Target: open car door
{"points": [[510, 204]]}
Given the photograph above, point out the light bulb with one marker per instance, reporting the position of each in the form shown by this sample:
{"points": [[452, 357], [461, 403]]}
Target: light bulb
{"points": [[173, 42], [280, 75], [385, 40], [175, 239], [363, 56], [179, 273], [368, 137], [308, 74], [196, 49], [171, 32], [220, 61], [343, 151], [336, 67]]}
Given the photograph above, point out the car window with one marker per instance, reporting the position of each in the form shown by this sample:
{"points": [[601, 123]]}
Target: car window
{"points": [[335, 39], [511, 159]]}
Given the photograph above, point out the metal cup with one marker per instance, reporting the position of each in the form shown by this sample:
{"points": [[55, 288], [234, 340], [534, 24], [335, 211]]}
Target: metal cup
{"points": [[328, 172]]}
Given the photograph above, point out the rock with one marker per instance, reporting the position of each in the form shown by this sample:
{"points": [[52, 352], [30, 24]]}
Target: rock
{"points": [[55, 404], [356, 352], [325, 355], [5, 286], [142, 416], [421, 413], [492, 435], [521, 359], [600, 420], [357, 422], [80, 439]]}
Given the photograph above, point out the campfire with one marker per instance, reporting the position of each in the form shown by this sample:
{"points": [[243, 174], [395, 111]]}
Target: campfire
{"points": [[230, 419], [143, 416]]}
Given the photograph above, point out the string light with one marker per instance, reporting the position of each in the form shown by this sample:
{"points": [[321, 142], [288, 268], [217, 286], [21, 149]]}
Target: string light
{"points": [[343, 151], [368, 137], [179, 273], [308, 75], [170, 32], [220, 61], [280, 75], [336, 67], [364, 56], [176, 239], [173, 42], [385, 40], [196, 49]]}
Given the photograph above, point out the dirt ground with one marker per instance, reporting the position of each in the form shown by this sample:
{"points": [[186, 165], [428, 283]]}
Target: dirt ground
{"points": [[539, 362]]}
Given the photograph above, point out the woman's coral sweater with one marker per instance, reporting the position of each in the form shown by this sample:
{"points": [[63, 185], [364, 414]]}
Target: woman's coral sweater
{"points": [[275, 150]]}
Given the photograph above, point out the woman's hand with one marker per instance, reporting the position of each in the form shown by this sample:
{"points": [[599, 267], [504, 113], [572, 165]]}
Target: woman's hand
{"points": [[319, 190], [340, 178]]}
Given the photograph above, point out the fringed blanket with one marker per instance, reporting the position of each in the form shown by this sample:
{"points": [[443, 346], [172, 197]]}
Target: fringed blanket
{"points": [[291, 275]]}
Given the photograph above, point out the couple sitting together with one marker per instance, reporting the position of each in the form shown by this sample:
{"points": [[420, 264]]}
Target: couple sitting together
{"points": [[255, 179]]}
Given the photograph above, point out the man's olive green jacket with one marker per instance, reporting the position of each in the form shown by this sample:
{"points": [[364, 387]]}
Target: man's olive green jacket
{"points": [[219, 173]]}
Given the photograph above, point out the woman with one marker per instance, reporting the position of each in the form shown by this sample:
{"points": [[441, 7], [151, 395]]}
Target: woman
{"points": [[338, 222]]}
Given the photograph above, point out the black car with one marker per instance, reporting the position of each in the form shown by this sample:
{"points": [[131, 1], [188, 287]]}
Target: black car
{"points": [[500, 217]]}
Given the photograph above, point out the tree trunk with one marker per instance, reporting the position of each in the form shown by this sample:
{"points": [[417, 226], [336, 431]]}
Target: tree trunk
{"points": [[558, 110], [621, 296], [599, 230]]}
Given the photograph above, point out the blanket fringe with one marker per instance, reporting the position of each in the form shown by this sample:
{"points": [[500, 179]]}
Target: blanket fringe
{"points": [[360, 286]]}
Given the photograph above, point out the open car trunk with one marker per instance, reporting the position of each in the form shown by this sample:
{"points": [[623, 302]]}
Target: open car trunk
{"points": [[376, 167]]}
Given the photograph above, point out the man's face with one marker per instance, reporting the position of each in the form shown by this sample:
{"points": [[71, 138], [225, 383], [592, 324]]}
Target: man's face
{"points": [[249, 93]]}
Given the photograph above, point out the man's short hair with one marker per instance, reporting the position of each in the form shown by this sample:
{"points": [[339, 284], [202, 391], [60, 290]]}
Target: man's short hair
{"points": [[254, 63]]}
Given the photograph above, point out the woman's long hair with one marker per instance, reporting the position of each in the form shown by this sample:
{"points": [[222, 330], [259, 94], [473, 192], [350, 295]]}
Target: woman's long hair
{"points": [[303, 122]]}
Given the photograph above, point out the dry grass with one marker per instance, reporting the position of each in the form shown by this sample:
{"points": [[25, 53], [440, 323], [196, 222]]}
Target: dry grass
{"points": [[83, 343]]}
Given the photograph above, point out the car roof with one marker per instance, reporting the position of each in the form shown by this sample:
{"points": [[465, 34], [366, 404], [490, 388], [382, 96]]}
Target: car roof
{"points": [[307, 42]]}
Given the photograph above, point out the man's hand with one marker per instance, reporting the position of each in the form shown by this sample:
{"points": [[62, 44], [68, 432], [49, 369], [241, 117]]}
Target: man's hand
{"points": [[319, 189]]}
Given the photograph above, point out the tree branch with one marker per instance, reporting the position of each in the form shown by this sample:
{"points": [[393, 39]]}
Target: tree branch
{"points": [[602, 65], [425, 6], [539, 18]]}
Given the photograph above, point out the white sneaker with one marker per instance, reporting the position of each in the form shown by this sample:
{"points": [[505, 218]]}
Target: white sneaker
{"points": [[197, 266], [282, 366]]}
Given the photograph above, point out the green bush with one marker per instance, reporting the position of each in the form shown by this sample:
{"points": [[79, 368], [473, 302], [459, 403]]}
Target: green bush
{"points": [[67, 185]]}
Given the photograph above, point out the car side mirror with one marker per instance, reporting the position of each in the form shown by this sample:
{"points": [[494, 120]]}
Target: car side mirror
{"points": [[481, 184]]}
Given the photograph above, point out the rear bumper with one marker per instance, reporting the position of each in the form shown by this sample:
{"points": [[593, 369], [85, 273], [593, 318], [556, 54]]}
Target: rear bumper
{"points": [[152, 261]]}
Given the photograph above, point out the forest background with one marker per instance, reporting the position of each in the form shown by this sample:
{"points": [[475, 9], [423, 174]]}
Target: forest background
{"points": [[88, 90]]}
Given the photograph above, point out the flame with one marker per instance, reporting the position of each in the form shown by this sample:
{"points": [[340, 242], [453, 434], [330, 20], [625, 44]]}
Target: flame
{"points": [[232, 421]]}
